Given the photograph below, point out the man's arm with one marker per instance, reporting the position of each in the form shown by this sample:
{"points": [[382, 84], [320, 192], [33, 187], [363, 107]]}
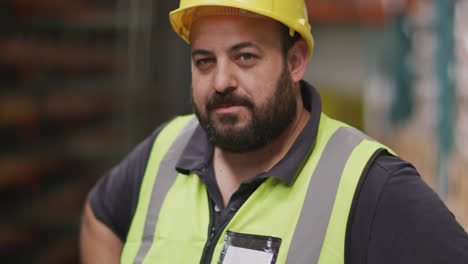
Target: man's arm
{"points": [[110, 206], [398, 218], [98, 244]]}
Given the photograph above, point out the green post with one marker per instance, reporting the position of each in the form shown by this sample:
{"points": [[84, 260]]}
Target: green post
{"points": [[401, 108], [444, 28]]}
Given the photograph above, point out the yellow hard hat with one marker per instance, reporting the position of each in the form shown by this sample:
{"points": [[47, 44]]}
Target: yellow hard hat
{"points": [[291, 13]]}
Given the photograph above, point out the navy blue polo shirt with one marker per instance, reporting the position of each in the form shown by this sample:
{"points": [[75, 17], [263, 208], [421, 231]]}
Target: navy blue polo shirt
{"points": [[395, 217]]}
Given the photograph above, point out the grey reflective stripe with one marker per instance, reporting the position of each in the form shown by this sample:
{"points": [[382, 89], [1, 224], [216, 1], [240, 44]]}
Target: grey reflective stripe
{"points": [[164, 180], [311, 227]]}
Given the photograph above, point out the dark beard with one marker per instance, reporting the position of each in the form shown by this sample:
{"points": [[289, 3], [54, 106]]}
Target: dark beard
{"points": [[267, 123]]}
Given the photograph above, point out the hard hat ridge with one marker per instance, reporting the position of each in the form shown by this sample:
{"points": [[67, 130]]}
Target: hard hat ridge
{"points": [[193, 14]]}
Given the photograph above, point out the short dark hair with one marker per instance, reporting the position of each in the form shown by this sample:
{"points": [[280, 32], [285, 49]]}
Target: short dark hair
{"points": [[286, 40]]}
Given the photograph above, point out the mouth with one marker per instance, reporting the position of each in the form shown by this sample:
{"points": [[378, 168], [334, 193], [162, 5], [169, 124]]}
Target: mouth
{"points": [[228, 109]]}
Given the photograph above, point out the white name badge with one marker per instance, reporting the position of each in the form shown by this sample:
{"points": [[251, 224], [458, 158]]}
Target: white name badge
{"points": [[249, 249], [236, 255]]}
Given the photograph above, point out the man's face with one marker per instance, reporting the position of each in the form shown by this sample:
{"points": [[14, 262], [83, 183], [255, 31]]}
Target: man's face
{"points": [[241, 87]]}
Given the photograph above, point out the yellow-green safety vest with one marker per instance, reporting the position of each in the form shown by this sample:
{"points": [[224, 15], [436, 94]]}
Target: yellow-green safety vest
{"points": [[172, 218]]}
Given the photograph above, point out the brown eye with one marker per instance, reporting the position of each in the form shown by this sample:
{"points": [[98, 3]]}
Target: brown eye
{"points": [[246, 57], [204, 64]]}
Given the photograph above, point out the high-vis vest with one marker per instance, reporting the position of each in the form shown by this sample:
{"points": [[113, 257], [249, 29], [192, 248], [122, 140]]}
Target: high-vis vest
{"points": [[306, 220]]}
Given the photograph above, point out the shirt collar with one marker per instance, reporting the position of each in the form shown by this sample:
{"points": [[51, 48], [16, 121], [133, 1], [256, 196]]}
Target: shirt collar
{"points": [[198, 153]]}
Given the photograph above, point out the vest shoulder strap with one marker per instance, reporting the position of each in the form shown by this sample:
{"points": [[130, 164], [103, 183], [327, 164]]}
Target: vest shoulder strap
{"points": [[321, 228], [159, 177]]}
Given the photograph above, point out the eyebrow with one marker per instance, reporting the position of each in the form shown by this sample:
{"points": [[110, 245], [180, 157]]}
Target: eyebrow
{"points": [[243, 45], [201, 52], [232, 49]]}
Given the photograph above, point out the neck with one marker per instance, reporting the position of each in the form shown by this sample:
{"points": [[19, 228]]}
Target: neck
{"points": [[231, 169]]}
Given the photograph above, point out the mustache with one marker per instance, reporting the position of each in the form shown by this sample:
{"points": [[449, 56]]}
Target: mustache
{"points": [[218, 100]]}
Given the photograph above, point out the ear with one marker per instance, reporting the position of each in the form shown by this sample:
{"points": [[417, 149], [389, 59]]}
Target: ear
{"points": [[298, 57]]}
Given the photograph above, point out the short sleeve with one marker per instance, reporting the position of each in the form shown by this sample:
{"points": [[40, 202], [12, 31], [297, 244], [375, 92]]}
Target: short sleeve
{"points": [[114, 198]]}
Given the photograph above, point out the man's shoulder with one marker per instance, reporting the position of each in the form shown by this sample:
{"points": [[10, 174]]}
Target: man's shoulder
{"points": [[145, 146], [143, 149], [398, 218], [391, 164], [114, 197], [387, 176]]}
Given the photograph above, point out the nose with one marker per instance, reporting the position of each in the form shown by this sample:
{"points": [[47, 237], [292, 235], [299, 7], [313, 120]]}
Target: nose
{"points": [[224, 78]]}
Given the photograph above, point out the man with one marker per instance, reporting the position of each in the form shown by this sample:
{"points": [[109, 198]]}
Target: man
{"points": [[261, 175]]}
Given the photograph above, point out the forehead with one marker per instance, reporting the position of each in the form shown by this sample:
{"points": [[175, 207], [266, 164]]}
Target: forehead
{"points": [[229, 30]]}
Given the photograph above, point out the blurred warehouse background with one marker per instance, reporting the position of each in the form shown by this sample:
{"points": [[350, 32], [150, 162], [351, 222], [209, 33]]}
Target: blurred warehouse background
{"points": [[82, 81]]}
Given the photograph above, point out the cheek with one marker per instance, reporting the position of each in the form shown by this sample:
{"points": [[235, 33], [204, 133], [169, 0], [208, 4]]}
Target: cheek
{"points": [[202, 88], [199, 93], [268, 70], [260, 85]]}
